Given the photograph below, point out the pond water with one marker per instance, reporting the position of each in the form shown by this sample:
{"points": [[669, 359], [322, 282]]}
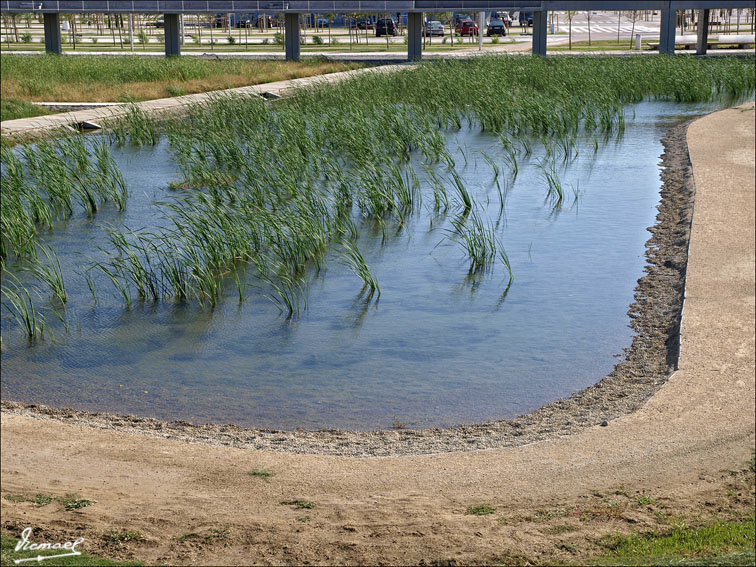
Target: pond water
{"points": [[437, 349]]}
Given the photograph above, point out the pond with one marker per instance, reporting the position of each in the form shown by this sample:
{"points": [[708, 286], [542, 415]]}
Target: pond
{"points": [[438, 348]]}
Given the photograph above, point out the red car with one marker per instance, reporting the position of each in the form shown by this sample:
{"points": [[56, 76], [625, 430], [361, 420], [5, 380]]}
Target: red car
{"points": [[466, 27]]}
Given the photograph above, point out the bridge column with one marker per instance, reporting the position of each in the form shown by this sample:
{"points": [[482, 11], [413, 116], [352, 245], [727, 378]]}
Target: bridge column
{"points": [[291, 29], [414, 36], [172, 34], [52, 33], [703, 32], [667, 34], [539, 32]]}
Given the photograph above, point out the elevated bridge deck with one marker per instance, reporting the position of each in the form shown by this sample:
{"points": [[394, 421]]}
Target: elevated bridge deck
{"points": [[173, 9]]}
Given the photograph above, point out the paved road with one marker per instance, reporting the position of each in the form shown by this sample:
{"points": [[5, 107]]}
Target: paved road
{"points": [[604, 25]]}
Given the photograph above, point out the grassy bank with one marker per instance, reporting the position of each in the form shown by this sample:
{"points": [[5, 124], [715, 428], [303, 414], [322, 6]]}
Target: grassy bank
{"points": [[718, 543], [605, 45], [12, 108], [125, 78]]}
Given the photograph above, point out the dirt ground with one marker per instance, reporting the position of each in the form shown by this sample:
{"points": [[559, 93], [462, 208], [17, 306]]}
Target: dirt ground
{"points": [[683, 453]]}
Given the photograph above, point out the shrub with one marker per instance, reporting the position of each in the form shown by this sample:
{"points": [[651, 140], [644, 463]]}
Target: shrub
{"points": [[317, 40], [495, 39], [231, 40], [26, 37], [175, 91], [278, 38]]}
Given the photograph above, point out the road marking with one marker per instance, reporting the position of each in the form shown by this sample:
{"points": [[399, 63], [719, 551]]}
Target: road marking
{"points": [[608, 29]]}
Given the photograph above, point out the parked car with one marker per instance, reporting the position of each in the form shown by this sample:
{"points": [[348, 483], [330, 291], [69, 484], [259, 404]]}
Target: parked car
{"points": [[363, 24], [385, 26], [434, 28], [466, 27], [322, 23], [503, 16], [496, 27]]}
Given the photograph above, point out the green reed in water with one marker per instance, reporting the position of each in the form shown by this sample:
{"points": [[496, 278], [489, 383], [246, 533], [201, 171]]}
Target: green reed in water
{"points": [[275, 186]]}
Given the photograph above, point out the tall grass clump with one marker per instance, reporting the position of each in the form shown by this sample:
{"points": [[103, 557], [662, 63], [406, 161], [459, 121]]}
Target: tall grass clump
{"points": [[356, 262], [17, 302], [53, 180]]}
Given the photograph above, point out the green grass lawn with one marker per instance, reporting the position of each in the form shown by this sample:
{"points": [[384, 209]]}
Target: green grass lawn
{"points": [[604, 45], [717, 544], [341, 46], [12, 108]]}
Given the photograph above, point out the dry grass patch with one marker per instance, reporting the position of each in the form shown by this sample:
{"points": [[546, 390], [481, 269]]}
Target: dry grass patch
{"points": [[126, 78]]}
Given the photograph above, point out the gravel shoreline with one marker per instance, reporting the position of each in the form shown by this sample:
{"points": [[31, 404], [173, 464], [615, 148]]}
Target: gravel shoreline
{"points": [[649, 361]]}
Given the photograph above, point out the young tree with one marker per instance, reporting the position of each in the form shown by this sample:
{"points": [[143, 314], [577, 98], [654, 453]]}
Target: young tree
{"points": [[329, 18], [634, 16], [570, 15], [446, 18], [589, 28]]}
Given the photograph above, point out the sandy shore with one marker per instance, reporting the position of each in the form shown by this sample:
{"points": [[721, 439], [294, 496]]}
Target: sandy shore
{"points": [[684, 447]]}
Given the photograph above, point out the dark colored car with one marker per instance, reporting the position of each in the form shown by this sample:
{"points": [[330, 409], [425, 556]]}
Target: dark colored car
{"points": [[496, 27], [526, 18], [467, 27], [385, 26], [363, 24]]}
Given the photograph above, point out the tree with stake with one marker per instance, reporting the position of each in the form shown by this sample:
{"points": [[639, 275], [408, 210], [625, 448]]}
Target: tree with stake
{"points": [[634, 16], [589, 28], [329, 18], [570, 15]]}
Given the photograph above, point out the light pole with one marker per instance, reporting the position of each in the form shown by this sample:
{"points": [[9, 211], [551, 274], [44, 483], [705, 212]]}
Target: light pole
{"points": [[481, 25]]}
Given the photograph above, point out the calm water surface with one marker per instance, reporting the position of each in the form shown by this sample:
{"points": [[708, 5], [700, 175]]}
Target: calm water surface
{"points": [[436, 350]]}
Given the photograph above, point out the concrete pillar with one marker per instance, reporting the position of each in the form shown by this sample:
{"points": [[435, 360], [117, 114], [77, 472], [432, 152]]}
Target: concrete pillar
{"points": [[703, 32], [172, 34], [539, 32], [52, 33], [414, 36], [667, 33], [291, 29]]}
